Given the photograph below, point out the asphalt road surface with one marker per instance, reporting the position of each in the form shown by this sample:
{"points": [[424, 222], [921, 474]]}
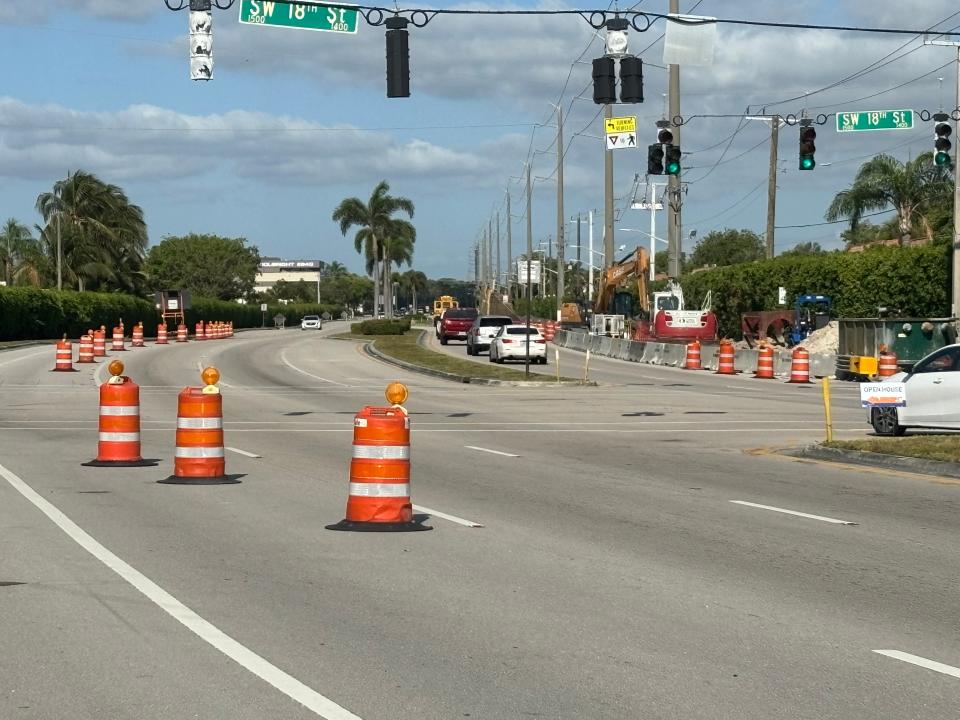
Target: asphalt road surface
{"points": [[642, 554]]}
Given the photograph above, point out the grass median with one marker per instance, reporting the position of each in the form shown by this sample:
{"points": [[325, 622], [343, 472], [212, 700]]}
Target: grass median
{"points": [[927, 447], [408, 349]]}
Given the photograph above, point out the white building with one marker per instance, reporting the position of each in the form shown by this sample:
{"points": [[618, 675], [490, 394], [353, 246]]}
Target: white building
{"points": [[273, 269]]}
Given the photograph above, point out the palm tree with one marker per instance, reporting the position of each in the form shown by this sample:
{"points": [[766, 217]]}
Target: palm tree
{"points": [[336, 269], [373, 219], [95, 234], [416, 281], [398, 246], [910, 188], [16, 249]]}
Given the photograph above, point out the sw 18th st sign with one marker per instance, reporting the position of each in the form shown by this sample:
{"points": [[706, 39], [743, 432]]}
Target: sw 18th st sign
{"points": [[342, 19]]}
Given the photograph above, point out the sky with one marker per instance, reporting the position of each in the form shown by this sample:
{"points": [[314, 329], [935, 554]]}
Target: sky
{"points": [[294, 121]]}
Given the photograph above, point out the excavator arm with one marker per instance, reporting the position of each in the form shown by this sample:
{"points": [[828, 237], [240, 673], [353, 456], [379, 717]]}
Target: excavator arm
{"points": [[636, 265]]}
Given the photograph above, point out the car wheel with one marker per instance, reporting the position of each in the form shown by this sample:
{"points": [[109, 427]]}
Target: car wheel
{"points": [[443, 339], [469, 349], [885, 422]]}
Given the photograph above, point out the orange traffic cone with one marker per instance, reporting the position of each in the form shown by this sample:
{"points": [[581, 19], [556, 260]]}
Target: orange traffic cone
{"points": [[86, 348], [117, 344], [119, 440], [137, 341], [181, 333], [199, 456], [725, 361], [64, 361], [692, 361], [199, 331], [379, 495], [764, 363], [799, 366], [100, 342], [162, 334], [887, 365]]}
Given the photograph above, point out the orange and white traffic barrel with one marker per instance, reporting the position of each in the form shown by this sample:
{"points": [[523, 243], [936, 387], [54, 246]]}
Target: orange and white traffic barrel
{"points": [[64, 362], [137, 336], [208, 333], [162, 334], [117, 344], [549, 330], [119, 427], [764, 363], [100, 342], [693, 361], [86, 348], [199, 454], [379, 494], [199, 335], [800, 366], [230, 329], [887, 364], [725, 359], [181, 333]]}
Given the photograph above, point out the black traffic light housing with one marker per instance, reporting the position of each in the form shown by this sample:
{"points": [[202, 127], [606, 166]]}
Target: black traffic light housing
{"points": [[672, 160], [398, 57], [604, 81], [942, 130], [655, 159], [807, 146], [631, 79]]}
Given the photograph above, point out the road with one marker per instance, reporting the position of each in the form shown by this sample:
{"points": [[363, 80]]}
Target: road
{"points": [[634, 559]]}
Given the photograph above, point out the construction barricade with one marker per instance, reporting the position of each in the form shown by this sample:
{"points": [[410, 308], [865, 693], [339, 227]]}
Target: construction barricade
{"points": [[119, 426], [181, 333], [100, 342], [86, 348], [549, 330], [726, 357], [764, 363], [199, 334], [199, 454], [887, 364], [162, 334], [799, 366], [117, 344], [64, 361], [137, 341], [379, 492], [693, 361]]}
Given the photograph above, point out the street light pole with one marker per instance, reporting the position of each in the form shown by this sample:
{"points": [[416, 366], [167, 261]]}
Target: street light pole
{"points": [[560, 222], [526, 361], [590, 263]]}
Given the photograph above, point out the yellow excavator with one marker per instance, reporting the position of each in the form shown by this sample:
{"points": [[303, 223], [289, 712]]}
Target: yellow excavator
{"points": [[636, 265]]}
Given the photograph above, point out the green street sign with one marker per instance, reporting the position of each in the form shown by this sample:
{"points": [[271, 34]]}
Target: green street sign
{"points": [[875, 120], [341, 19]]}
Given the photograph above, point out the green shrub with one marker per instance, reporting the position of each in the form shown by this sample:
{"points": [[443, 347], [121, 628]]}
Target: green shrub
{"points": [[382, 327]]}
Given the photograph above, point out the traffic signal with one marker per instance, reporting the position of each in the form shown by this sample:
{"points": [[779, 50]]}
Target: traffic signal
{"points": [[201, 42], [604, 81], [807, 147], [655, 159], [398, 57], [942, 144], [631, 79], [672, 164]]}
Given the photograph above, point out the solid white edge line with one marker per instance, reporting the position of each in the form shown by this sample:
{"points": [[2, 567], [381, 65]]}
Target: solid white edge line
{"points": [[487, 450], [793, 512], [283, 357], [244, 452], [451, 518], [246, 658], [921, 662]]}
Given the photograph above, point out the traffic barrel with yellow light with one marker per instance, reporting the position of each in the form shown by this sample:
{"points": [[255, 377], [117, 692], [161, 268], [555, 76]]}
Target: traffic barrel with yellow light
{"points": [[119, 426], [199, 454], [379, 492], [100, 342]]}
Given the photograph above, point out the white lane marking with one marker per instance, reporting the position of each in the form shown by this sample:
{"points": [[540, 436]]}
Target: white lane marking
{"points": [[30, 355], [850, 429], [793, 512], [243, 452], [922, 662], [486, 450], [290, 365], [246, 658], [451, 518], [98, 380]]}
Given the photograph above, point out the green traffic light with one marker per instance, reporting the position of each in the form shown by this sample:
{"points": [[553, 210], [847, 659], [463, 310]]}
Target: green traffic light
{"points": [[807, 162], [673, 168], [941, 159]]}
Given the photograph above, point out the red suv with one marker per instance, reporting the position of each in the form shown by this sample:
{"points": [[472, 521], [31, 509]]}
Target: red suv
{"points": [[456, 323]]}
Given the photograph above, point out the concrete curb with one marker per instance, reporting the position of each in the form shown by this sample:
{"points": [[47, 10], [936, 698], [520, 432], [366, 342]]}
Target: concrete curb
{"points": [[872, 459], [373, 352]]}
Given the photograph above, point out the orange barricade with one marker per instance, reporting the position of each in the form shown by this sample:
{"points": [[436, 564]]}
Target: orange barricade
{"points": [[199, 331], [379, 495], [199, 455], [208, 331], [137, 335], [230, 329], [100, 342], [692, 361], [725, 360], [887, 364], [764, 363], [119, 440], [181, 333], [799, 366], [162, 334], [64, 361], [117, 344], [86, 348], [549, 330]]}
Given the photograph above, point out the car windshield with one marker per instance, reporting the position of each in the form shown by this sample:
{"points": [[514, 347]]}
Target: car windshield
{"points": [[311, 317], [494, 321], [461, 313], [522, 331], [943, 361]]}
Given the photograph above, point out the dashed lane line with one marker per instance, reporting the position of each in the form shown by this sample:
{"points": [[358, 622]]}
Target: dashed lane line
{"points": [[243, 452], [793, 512], [921, 662], [451, 518], [243, 656], [283, 358], [487, 450]]}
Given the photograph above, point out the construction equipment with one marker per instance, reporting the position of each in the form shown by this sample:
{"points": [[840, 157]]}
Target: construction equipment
{"points": [[862, 340], [811, 312], [787, 327], [573, 315]]}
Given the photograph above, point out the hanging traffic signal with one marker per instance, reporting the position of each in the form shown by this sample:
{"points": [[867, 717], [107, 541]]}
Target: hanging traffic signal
{"points": [[807, 147], [655, 159], [672, 163], [631, 79], [604, 81], [942, 131], [398, 57]]}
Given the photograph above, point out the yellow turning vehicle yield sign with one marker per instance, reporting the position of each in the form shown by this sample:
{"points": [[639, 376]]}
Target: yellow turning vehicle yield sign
{"points": [[621, 132]]}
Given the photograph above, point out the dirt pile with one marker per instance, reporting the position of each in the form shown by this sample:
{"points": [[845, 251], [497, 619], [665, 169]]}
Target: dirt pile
{"points": [[824, 340]]}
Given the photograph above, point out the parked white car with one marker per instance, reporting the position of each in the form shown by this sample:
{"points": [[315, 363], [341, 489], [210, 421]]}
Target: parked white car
{"points": [[510, 343], [311, 322], [932, 396]]}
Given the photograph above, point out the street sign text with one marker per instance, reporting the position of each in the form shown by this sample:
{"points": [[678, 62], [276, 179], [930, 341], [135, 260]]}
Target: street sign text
{"points": [[875, 120], [342, 19]]}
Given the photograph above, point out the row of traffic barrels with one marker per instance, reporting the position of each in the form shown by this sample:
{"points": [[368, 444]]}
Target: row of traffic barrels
{"points": [[547, 328]]}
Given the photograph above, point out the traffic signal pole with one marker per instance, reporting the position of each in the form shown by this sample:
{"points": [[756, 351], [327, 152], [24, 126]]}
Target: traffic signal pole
{"points": [[955, 287], [674, 250], [561, 235], [608, 197]]}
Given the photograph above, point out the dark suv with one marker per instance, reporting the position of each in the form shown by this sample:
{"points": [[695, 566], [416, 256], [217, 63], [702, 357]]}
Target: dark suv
{"points": [[483, 330], [455, 324]]}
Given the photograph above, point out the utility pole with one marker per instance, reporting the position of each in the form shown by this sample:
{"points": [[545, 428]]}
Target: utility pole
{"points": [[490, 253], [59, 256], [674, 249], [509, 249], [772, 184], [561, 235], [526, 362], [590, 257], [578, 238], [476, 268], [608, 192], [496, 280]]}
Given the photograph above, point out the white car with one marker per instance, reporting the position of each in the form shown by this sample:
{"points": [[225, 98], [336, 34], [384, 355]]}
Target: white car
{"points": [[311, 322], [482, 331], [510, 343], [932, 395]]}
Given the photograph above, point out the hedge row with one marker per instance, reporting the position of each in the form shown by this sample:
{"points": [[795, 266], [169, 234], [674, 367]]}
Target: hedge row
{"points": [[381, 327], [32, 314], [913, 281]]}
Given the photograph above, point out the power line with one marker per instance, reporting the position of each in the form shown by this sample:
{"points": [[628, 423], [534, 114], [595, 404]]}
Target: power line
{"points": [[831, 222]]}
